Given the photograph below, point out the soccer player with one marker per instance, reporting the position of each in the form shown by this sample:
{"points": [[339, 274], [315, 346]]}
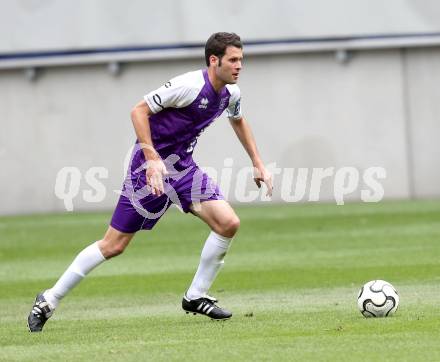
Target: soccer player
{"points": [[162, 171]]}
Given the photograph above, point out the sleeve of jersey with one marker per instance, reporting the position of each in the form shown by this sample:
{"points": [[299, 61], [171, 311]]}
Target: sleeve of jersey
{"points": [[173, 94], [234, 107]]}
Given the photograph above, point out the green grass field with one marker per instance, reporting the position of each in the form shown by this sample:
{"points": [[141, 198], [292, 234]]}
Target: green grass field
{"points": [[291, 280]]}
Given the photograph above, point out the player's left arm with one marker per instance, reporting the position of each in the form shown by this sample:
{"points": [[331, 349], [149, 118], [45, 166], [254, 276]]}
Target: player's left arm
{"points": [[244, 134]]}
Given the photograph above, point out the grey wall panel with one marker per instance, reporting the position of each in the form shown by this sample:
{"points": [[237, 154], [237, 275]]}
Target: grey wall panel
{"points": [[423, 72], [306, 111]]}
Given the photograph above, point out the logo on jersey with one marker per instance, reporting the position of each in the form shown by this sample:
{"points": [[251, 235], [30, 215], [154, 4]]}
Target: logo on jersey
{"points": [[158, 100], [204, 103], [223, 103], [222, 106], [237, 109]]}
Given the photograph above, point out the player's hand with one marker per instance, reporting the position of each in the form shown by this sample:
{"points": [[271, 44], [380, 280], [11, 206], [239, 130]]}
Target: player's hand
{"points": [[156, 171], [262, 175]]}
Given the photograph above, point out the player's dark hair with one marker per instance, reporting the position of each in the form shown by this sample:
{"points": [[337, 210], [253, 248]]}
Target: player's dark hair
{"points": [[217, 44]]}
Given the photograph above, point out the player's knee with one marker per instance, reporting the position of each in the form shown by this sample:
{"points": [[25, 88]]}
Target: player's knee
{"points": [[114, 242], [117, 249], [111, 249], [229, 226]]}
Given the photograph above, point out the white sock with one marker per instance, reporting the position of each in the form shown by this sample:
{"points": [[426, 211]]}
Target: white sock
{"points": [[85, 261], [211, 261]]}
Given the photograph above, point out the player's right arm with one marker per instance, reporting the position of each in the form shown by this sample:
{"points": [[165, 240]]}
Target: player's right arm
{"points": [[140, 116]]}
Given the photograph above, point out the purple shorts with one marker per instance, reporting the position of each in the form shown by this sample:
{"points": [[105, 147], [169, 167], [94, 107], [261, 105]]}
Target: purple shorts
{"points": [[139, 209]]}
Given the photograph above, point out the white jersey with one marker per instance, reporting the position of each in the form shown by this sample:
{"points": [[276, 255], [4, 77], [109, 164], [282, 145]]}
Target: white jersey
{"points": [[184, 89]]}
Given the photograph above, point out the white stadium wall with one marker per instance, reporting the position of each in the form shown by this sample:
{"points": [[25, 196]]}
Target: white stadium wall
{"points": [[377, 108], [52, 25]]}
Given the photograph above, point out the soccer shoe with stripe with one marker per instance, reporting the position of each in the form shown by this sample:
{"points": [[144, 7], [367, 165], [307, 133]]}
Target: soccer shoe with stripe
{"points": [[205, 306], [39, 314]]}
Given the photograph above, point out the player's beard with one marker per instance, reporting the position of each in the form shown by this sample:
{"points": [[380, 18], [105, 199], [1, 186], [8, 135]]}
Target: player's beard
{"points": [[226, 76]]}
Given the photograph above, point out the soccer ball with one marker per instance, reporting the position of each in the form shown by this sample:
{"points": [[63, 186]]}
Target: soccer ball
{"points": [[378, 298]]}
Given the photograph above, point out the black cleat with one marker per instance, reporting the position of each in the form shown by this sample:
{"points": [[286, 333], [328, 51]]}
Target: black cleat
{"points": [[205, 306], [39, 314]]}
